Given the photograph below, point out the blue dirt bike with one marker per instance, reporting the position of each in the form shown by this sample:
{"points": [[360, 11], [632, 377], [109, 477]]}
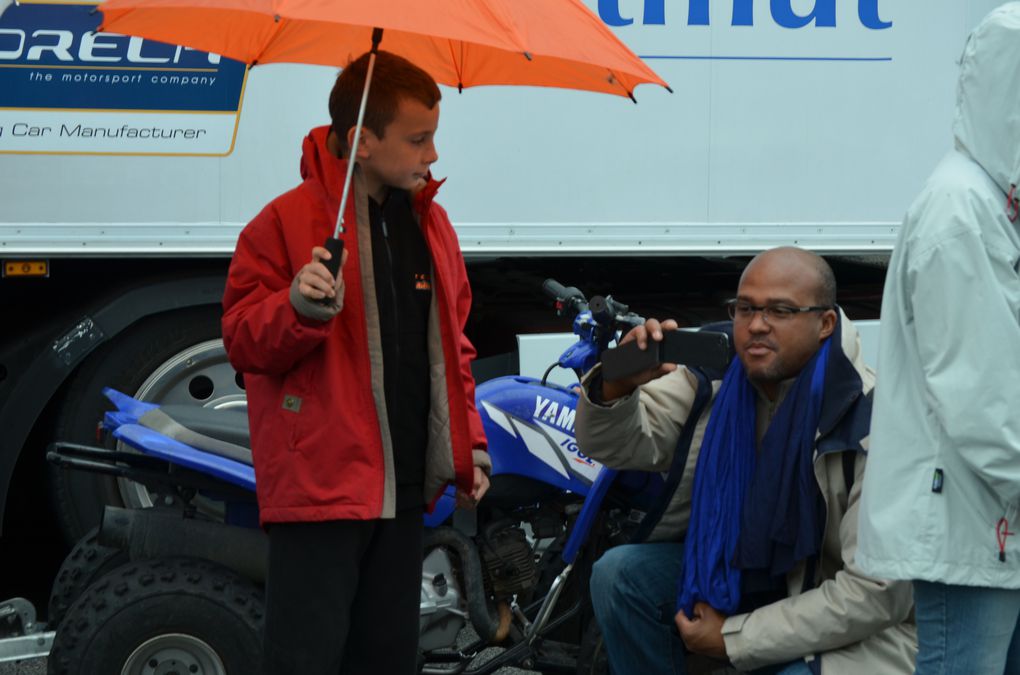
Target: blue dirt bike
{"points": [[178, 587]]}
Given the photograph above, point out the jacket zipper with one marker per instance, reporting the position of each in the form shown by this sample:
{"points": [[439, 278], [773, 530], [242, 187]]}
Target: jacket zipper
{"points": [[393, 298], [1001, 532]]}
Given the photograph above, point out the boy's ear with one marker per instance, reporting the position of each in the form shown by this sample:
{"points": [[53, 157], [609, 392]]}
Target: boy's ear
{"points": [[366, 134]]}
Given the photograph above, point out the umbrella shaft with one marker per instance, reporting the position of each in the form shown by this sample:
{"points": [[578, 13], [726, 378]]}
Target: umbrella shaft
{"points": [[353, 150]]}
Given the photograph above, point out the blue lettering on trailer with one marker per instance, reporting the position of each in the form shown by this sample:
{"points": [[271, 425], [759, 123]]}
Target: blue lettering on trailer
{"points": [[783, 13]]}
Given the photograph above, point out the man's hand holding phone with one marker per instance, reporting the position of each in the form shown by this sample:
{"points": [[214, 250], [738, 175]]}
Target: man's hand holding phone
{"points": [[653, 331], [650, 351]]}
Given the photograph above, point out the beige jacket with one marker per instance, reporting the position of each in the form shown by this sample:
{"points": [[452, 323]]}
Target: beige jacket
{"points": [[857, 624]]}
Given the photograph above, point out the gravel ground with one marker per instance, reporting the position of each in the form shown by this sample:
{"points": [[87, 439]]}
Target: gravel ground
{"points": [[29, 667], [38, 667], [467, 636]]}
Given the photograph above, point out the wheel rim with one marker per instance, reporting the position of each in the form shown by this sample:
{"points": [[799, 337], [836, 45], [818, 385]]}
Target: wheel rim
{"points": [[174, 654], [200, 376]]}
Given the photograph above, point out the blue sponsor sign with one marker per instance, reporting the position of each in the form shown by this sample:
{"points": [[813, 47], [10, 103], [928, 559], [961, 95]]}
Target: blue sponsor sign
{"points": [[51, 57], [64, 88]]}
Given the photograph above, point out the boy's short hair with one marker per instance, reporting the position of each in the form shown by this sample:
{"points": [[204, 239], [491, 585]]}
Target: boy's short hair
{"points": [[393, 79]]}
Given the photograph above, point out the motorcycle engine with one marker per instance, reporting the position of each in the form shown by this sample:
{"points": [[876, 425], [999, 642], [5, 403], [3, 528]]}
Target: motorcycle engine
{"points": [[508, 563], [441, 617]]}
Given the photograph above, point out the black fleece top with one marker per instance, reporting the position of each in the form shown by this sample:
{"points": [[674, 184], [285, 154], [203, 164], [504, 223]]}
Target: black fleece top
{"points": [[403, 287]]}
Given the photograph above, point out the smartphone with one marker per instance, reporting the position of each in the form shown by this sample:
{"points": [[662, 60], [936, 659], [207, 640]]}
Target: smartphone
{"points": [[698, 349]]}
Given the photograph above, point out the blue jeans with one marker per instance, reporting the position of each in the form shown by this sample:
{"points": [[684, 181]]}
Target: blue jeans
{"points": [[966, 630], [633, 593]]}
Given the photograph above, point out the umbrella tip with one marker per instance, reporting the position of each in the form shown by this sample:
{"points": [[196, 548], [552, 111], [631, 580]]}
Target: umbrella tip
{"points": [[527, 55], [669, 88], [631, 94], [460, 87]]}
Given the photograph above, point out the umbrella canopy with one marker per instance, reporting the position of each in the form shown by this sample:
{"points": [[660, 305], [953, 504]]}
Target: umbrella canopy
{"points": [[462, 43]]}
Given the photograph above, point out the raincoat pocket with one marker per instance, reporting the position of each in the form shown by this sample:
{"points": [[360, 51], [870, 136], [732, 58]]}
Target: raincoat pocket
{"points": [[294, 403]]}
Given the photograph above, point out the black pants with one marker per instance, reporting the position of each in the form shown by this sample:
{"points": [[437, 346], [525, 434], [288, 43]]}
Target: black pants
{"points": [[342, 597]]}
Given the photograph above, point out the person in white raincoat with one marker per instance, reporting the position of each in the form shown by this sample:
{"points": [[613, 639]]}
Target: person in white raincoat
{"points": [[942, 486]]}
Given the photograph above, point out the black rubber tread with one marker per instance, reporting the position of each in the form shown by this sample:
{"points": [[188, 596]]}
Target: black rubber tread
{"points": [[141, 600], [86, 562], [124, 363]]}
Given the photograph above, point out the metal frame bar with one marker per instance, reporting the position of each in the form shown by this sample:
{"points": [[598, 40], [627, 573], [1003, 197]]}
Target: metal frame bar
{"points": [[140, 468], [476, 239]]}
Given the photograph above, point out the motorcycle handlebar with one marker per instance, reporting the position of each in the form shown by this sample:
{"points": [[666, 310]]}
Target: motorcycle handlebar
{"points": [[605, 311], [554, 289], [568, 299]]}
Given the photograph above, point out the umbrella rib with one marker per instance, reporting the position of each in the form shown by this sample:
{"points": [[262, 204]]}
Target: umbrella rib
{"points": [[457, 65], [504, 19], [613, 79], [277, 27]]}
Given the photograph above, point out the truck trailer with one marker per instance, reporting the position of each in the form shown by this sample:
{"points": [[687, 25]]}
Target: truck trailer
{"points": [[127, 170]]}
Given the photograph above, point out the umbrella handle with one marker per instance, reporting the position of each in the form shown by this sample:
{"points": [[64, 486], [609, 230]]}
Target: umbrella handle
{"points": [[336, 252]]}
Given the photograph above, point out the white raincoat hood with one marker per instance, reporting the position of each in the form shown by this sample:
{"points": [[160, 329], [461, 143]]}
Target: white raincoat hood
{"points": [[987, 125]]}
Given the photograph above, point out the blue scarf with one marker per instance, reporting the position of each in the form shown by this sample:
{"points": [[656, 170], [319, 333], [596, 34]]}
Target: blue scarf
{"points": [[753, 512]]}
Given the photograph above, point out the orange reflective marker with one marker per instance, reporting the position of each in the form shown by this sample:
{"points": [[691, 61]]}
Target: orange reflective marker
{"points": [[26, 268]]}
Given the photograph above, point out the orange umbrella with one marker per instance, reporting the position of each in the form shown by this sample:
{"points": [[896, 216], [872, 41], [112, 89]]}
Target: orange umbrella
{"points": [[462, 43]]}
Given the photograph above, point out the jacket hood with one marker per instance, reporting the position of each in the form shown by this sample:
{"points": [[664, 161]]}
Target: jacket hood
{"points": [[848, 383], [322, 166], [850, 344], [987, 125]]}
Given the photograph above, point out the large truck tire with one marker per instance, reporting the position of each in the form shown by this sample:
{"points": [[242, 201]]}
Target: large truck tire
{"points": [[163, 616], [175, 357], [87, 562]]}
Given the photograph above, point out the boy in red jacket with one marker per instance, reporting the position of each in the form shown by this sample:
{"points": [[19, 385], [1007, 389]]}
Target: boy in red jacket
{"points": [[360, 396]]}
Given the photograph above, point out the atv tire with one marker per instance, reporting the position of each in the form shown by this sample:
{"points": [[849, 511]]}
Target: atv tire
{"points": [[173, 615], [87, 562]]}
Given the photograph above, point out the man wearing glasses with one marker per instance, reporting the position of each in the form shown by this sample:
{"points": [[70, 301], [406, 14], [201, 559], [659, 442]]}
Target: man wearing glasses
{"points": [[751, 559]]}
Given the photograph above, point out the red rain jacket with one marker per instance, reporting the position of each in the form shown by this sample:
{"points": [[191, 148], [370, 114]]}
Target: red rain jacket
{"points": [[316, 406]]}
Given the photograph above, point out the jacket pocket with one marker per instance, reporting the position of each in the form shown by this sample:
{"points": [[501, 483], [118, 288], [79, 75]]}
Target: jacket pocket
{"points": [[294, 406]]}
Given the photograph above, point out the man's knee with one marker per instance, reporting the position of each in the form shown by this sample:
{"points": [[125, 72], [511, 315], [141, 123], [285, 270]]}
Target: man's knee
{"points": [[637, 575], [608, 569], [616, 576]]}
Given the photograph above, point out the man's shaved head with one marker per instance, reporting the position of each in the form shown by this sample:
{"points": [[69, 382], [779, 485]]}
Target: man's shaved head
{"points": [[799, 261]]}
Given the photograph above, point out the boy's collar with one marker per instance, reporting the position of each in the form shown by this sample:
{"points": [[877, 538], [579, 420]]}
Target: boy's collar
{"points": [[424, 195]]}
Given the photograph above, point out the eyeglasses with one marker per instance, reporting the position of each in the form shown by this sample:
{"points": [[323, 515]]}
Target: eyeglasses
{"points": [[744, 311]]}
